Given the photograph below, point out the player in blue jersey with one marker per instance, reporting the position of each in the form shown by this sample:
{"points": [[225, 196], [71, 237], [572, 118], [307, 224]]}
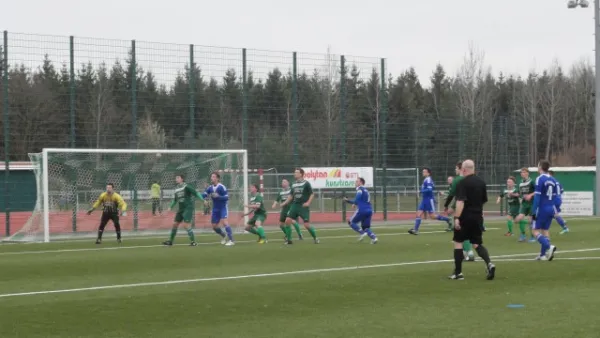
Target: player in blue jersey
{"points": [[218, 193], [363, 213], [427, 206], [544, 202], [559, 193]]}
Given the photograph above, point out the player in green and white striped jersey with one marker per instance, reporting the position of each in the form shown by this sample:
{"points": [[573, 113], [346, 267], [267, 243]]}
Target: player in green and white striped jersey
{"points": [[281, 198]]}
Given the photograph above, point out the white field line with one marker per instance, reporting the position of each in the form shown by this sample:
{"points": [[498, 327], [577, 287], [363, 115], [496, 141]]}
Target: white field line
{"points": [[16, 253], [273, 274]]}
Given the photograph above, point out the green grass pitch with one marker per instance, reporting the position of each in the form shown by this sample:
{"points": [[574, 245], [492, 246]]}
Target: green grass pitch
{"points": [[339, 288]]}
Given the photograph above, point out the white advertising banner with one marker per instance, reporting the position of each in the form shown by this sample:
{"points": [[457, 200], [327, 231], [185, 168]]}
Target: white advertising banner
{"points": [[146, 194], [577, 203], [338, 177]]}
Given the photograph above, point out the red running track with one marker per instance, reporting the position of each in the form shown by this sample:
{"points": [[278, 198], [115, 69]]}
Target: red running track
{"points": [[62, 222]]}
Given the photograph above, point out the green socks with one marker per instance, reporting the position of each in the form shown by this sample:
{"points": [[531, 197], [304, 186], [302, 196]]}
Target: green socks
{"points": [[252, 231], [288, 232], [297, 227], [173, 233], [312, 232], [510, 225], [190, 233], [260, 232], [522, 224], [467, 246]]}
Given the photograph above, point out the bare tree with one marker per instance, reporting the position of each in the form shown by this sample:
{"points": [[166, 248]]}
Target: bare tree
{"points": [[553, 91], [101, 108], [151, 135]]}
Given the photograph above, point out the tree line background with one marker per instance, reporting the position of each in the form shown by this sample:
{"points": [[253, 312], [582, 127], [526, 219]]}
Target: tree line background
{"points": [[149, 95]]}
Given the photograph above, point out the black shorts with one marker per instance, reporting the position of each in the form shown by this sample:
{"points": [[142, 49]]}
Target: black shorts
{"points": [[109, 216], [470, 229]]}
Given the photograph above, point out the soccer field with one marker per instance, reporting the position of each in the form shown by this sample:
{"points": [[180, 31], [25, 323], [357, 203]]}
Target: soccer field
{"points": [[339, 288]]}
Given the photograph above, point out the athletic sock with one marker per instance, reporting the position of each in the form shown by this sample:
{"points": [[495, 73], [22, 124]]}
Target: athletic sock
{"points": [[561, 222], [229, 232], [190, 233], [173, 233], [510, 225], [522, 225], [282, 227], [252, 231], [370, 233], [417, 223], [219, 231], [313, 233], [355, 227], [483, 253], [297, 227], [288, 232], [260, 231], [442, 218], [458, 258], [545, 242]]}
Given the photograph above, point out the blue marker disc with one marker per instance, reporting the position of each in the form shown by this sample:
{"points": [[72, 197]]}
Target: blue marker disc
{"points": [[515, 306]]}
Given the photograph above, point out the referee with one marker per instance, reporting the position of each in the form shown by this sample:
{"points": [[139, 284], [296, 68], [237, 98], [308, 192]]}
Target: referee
{"points": [[471, 195]]}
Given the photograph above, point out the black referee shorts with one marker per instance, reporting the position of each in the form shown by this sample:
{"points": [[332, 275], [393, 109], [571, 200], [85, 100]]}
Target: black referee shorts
{"points": [[470, 229], [109, 216]]}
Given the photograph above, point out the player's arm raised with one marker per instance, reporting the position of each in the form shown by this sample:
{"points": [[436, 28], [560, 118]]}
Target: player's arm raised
{"points": [[97, 203]]}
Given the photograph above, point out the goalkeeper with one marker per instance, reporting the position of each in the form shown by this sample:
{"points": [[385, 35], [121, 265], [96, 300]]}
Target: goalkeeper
{"points": [[185, 212], [112, 204]]}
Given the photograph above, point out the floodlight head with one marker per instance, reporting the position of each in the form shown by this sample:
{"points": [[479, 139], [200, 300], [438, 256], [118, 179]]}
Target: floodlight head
{"points": [[572, 4], [584, 3]]}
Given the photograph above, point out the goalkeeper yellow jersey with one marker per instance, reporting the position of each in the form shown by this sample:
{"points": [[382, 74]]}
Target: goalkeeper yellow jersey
{"points": [[155, 190], [110, 202]]}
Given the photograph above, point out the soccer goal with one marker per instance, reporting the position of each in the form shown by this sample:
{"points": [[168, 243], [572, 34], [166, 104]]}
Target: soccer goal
{"points": [[402, 188], [70, 180]]}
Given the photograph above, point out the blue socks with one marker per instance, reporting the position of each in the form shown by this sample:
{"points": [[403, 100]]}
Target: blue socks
{"points": [[370, 233], [442, 218], [439, 218], [561, 222], [229, 232], [545, 242], [417, 223], [219, 231], [355, 227]]}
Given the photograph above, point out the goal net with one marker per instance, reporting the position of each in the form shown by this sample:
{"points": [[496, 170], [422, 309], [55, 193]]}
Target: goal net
{"points": [[402, 188], [70, 180]]}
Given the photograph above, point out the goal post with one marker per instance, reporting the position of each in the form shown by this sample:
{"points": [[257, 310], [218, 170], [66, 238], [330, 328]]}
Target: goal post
{"points": [[70, 180]]}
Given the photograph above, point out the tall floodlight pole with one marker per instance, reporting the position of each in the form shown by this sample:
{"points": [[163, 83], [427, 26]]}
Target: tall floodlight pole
{"points": [[584, 4]]}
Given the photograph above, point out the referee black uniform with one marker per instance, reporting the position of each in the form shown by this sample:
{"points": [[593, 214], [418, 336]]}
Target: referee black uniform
{"points": [[472, 192]]}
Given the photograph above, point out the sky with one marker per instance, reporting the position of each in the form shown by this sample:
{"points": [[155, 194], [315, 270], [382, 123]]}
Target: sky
{"points": [[515, 35]]}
